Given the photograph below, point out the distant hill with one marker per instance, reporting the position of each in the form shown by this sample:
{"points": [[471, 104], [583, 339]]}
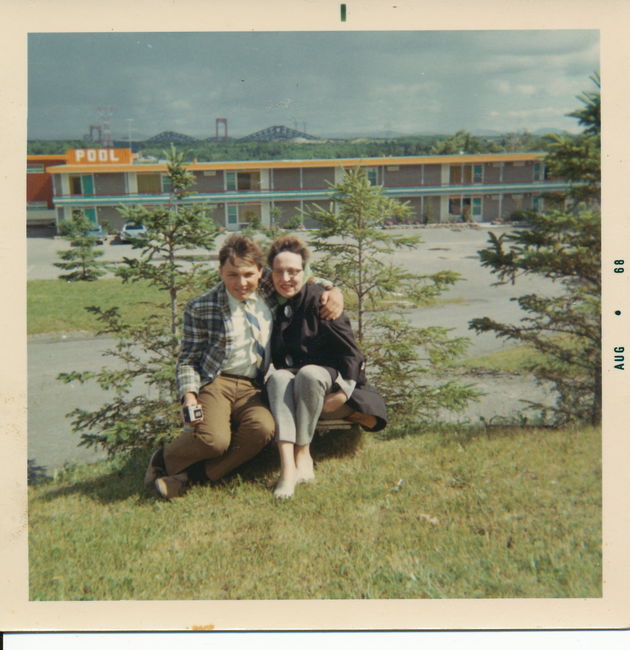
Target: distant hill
{"points": [[549, 130]]}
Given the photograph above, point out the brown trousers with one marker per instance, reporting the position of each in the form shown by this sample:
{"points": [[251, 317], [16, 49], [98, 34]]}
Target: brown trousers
{"points": [[236, 426]]}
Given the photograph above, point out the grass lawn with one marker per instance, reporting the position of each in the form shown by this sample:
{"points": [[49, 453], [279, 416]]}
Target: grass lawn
{"points": [[56, 306], [512, 513], [59, 306], [513, 359]]}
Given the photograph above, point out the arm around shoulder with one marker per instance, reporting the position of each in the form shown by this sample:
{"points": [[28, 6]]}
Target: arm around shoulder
{"points": [[332, 304]]}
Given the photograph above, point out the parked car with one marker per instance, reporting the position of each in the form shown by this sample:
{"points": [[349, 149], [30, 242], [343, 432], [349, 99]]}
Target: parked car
{"points": [[97, 232], [132, 230]]}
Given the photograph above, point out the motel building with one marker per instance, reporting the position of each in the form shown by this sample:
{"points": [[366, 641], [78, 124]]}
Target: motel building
{"points": [[446, 188], [40, 209]]}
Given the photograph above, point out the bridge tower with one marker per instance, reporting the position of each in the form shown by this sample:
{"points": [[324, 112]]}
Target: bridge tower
{"points": [[224, 122]]}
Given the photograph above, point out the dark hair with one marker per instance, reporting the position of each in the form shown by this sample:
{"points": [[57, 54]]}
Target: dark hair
{"points": [[240, 247], [292, 245]]}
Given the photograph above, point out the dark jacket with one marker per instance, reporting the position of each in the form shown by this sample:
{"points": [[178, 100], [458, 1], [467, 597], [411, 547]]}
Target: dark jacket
{"points": [[301, 337]]}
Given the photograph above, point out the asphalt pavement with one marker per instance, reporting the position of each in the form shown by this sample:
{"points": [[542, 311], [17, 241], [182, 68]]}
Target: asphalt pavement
{"points": [[51, 442]]}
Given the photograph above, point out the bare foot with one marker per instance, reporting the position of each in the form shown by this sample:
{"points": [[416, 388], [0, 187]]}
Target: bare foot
{"points": [[285, 487], [305, 471]]}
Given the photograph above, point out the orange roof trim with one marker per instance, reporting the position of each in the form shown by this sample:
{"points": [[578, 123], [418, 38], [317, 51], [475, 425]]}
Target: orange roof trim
{"points": [[245, 165]]}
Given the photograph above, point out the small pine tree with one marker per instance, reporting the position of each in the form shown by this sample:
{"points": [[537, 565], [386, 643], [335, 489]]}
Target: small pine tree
{"points": [[357, 254], [564, 245], [148, 351], [81, 259]]}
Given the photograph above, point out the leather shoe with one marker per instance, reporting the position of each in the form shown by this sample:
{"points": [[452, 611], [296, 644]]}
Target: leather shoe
{"points": [[365, 420], [155, 469], [171, 487]]}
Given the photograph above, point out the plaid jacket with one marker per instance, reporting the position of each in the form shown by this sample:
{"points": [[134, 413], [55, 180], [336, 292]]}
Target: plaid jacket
{"points": [[207, 335]]}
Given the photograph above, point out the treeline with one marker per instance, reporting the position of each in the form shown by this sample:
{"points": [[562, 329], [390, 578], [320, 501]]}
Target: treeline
{"points": [[279, 150], [460, 142], [54, 147]]}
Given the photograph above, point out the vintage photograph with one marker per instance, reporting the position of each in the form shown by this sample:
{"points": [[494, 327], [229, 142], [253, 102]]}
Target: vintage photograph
{"points": [[314, 317], [433, 429]]}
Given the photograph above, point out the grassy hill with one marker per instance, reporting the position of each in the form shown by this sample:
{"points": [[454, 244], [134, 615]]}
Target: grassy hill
{"points": [[460, 513]]}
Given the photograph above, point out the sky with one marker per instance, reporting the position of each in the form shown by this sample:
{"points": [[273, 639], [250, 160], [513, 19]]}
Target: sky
{"points": [[330, 84]]}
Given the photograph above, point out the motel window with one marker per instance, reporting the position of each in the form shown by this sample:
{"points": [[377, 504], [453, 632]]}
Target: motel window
{"points": [[75, 185], [455, 175], [464, 207], [248, 180], [242, 181], [35, 169], [249, 213], [455, 205], [83, 184], [466, 174], [539, 171], [149, 183], [239, 215], [372, 175]]}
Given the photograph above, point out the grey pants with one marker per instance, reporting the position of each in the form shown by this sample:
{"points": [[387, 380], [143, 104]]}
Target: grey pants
{"points": [[296, 402]]}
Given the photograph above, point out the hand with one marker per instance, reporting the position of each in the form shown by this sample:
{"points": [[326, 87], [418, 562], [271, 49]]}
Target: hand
{"points": [[334, 401], [332, 304], [190, 399]]}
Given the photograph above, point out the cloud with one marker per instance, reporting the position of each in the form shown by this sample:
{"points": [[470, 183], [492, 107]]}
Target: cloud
{"points": [[506, 87], [441, 80]]}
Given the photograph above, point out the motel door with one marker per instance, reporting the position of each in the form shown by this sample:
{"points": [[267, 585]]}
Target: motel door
{"points": [[87, 183], [476, 208], [232, 217]]}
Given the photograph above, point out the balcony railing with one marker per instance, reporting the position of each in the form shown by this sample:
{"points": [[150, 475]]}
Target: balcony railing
{"points": [[311, 194]]}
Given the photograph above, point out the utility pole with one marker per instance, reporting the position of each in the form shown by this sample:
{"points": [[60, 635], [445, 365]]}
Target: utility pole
{"points": [[129, 121], [105, 112]]}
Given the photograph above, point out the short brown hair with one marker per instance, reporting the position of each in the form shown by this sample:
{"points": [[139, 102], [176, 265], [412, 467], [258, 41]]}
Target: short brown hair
{"points": [[291, 244], [240, 247]]}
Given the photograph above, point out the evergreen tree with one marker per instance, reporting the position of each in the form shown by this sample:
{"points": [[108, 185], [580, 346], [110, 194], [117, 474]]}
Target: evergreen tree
{"points": [[564, 245], [589, 116], [81, 259], [171, 229], [141, 413], [357, 254]]}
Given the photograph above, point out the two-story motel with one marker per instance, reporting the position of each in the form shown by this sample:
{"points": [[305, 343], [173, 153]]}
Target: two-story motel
{"points": [[481, 187]]}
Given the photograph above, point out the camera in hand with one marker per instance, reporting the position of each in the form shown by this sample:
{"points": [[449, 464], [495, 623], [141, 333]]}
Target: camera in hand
{"points": [[192, 413]]}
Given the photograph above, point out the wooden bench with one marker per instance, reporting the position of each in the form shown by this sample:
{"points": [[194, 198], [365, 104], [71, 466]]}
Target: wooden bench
{"points": [[326, 426]]}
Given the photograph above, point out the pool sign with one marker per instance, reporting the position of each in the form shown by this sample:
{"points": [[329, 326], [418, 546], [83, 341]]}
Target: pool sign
{"points": [[98, 156]]}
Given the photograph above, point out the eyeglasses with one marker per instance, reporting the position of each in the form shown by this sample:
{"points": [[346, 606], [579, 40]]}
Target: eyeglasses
{"points": [[292, 273]]}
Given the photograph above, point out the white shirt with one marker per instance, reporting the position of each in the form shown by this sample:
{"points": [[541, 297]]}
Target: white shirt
{"points": [[242, 359]]}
